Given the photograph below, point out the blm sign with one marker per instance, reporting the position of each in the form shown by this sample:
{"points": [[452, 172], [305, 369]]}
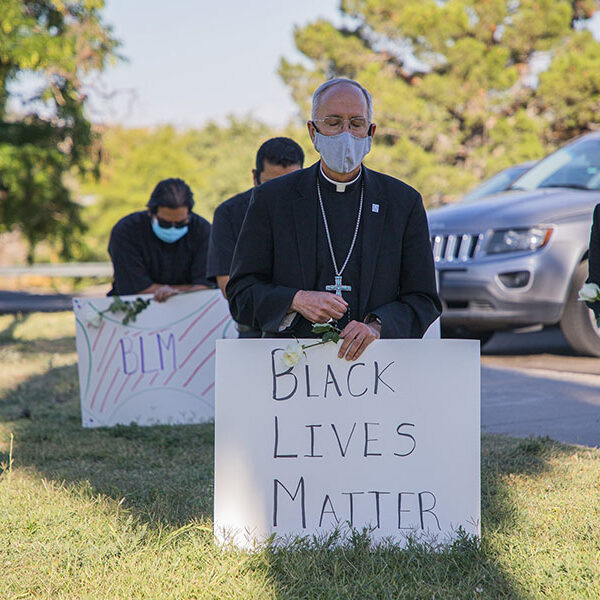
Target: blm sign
{"points": [[389, 443], [158, 369]]}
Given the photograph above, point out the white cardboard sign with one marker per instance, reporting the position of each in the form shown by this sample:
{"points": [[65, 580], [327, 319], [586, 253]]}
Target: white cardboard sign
{"points": [[390, 442], [156, 370]]}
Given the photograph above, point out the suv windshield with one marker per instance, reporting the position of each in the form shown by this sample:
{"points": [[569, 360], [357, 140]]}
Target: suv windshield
{"points": [[575, 166], [498, 183]]}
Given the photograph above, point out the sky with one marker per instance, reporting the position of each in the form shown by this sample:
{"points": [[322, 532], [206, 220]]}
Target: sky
{"points": [[188, 62], [191, 61]]}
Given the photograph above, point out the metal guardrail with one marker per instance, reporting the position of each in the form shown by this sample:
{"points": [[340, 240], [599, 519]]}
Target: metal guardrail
{"points": [[74, 269]]}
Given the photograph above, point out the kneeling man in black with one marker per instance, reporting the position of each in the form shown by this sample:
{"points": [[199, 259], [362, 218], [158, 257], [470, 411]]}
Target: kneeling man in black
{"points": [[336, 241], [161, 250]]}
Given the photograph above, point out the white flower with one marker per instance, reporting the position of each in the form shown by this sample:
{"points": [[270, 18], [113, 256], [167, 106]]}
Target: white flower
{"points": [[92, 317], [293, 354], [589, 292]]}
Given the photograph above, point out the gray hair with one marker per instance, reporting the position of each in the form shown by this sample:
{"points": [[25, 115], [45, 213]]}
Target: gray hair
{"points": [[339, 80]]}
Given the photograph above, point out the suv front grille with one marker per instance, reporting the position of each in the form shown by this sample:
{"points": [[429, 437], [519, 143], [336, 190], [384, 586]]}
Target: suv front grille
{"points": [[451, 247]]}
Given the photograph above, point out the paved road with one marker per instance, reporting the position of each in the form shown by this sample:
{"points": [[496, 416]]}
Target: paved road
{"points": [[15, 302], [532, 384]]}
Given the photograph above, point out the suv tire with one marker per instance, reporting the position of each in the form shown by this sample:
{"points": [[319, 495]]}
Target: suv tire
{"points": [[578, 323]]}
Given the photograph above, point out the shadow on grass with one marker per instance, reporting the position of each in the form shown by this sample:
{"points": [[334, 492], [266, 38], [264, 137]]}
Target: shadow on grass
{"points": [[165, 475], [62, 345], [7, 334]]}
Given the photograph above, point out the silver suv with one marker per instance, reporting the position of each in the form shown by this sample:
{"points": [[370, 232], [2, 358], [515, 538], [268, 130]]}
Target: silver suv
{"points": [[517, 259]]}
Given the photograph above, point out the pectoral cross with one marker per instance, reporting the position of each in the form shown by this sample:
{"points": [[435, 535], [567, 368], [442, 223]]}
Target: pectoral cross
{"points": [[338, 287]]}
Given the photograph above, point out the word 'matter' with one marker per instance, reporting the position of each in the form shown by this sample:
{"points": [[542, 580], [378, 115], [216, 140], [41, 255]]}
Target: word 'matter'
{"points": [[408, 510]]}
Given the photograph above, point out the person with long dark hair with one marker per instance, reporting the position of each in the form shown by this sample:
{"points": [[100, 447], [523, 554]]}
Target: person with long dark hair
{"points": [[161, 250]]}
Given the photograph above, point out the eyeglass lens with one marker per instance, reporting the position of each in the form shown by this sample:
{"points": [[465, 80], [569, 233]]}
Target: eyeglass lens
{"points": [[357, 124], [168, 224]]}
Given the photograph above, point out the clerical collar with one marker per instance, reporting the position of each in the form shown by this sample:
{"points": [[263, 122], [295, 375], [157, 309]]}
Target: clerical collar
{"points": [[340, 186]]}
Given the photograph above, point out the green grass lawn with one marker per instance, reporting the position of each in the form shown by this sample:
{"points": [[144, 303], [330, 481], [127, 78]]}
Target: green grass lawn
{"points": [[126, 512]]}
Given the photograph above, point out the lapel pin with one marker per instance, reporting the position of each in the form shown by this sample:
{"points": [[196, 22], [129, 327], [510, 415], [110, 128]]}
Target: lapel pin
{"points": [[375, 208]]}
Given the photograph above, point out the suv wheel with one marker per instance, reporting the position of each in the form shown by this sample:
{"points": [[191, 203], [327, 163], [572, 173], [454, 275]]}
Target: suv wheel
{"points": [[578, 323]]}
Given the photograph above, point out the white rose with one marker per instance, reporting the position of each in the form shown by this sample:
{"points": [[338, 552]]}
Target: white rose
{"points": [[589, 292], [92, 317], [293, 354]]}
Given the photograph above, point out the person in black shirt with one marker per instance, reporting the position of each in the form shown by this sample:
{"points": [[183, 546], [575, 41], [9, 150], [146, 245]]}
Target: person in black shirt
{"points": [[162, 250], [276, 157], [336, 241]]}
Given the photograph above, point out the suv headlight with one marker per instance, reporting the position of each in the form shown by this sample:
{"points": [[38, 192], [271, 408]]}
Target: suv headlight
{"points": [[518, 240]]}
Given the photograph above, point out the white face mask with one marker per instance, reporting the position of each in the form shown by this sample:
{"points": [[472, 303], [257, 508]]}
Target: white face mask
{"points": [[343, 152]]}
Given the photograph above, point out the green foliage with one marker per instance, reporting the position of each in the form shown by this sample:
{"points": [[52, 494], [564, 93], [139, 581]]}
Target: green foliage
{"points": [[34, 196], [130, 308], [327, 331], [216, 161], [570, 89], [467, 112], [470, 108], [56, 43]]}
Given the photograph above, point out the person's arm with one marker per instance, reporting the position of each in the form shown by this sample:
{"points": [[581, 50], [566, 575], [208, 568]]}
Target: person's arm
{"points": [[163, 292], [594, 250], [131, 274], [318, 307], [418, 303], [356, 337], [198, 280], [253, 299], [220, 247], [594, 258], [222, 281]]}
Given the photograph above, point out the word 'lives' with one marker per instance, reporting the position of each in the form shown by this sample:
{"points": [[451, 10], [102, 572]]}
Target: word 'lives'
{"points": [[326, 440]]}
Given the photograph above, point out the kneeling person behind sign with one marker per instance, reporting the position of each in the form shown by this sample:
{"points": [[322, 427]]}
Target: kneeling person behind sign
{"points": [[275, 157], [162, 250], [336, 241]]}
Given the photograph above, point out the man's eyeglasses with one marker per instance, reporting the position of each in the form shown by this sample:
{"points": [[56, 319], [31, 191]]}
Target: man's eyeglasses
{"points": [[356, 125], [168, 224]]}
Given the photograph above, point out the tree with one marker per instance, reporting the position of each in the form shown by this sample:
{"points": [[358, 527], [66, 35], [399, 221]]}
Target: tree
{"points": [[456, 83], [216, 161], [45, 135]]}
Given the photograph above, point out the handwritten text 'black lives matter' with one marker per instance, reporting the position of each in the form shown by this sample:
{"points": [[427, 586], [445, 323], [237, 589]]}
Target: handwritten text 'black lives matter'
{"points": [[347, 440]]}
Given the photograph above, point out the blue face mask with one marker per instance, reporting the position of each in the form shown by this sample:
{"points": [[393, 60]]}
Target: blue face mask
{"points": [[168, 234]]}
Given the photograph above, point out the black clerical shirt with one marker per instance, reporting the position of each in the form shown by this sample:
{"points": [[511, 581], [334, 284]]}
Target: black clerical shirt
{"points": [[276, 255], [224, 233], [226, 227], [341, 210], [140, 259]]}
